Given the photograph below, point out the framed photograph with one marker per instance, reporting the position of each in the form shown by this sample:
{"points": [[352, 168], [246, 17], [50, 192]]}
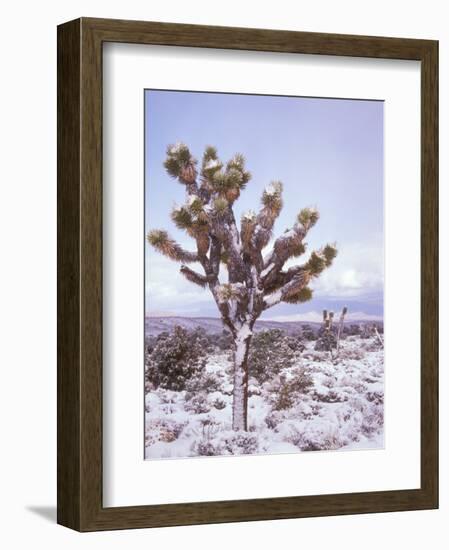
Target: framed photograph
{"points": [[247, 274]]}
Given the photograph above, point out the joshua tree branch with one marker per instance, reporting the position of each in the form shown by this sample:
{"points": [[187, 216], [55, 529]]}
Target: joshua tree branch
{"points": [[194, 277], [287, 245], [296, 284], [167, 246]]}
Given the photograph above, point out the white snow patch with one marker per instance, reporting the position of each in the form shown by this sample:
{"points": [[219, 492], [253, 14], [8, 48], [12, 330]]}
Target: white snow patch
{"points": [[211, 164]]}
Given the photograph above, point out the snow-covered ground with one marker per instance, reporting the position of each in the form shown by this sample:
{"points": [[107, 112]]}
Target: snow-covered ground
{"points": [[317, 404]]}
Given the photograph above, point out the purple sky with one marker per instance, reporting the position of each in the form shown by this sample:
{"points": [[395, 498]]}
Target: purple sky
{"points": [[327, 152]]}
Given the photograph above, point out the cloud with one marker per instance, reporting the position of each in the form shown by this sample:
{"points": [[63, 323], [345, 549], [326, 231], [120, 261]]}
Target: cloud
{"points": [[168, 291], [357, 271]]}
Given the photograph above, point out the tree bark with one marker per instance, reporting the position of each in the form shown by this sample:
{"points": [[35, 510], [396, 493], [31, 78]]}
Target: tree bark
{"points": [[240, 393]]}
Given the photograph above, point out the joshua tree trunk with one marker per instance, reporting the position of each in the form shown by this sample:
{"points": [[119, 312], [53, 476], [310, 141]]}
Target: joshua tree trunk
{"points": [[256, 281], [240, 392]]}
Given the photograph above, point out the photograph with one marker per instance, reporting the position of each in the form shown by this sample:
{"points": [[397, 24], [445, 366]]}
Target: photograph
{"points": [[264, 274]]}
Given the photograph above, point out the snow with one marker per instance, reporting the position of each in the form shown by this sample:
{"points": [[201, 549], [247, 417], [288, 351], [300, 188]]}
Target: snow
{"points": [[341, 410], [235, 238], [211, 164], [274, 298], [249, 215], [192, 199], [267, 270], [176, 148], [271, 189], [244, 332]]}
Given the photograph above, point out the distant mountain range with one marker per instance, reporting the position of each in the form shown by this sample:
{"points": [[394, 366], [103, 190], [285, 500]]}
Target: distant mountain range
{"points": [[156, 325]]}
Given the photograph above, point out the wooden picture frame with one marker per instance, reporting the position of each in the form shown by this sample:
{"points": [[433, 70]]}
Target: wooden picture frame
{"points": [[80, 503]]}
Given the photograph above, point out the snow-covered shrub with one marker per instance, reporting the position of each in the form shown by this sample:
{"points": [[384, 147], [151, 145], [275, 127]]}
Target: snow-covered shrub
{"points": [[271, 351], [197, 403], [208, 445], [370, 345], [286, 391], [307, 332], [315, 436], [163, 429], [253, 387], [353, 330], [353, 354], [326, 395], [315, 356], [222, 340], [204, 381], [366, 331], [176, 358], [207, 448], [274, 418], [327, 339], [219, 403], [241, 443], [375, 396]]}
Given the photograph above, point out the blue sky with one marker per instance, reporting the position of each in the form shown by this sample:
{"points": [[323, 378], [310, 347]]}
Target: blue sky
{"points": [[327, 152]]}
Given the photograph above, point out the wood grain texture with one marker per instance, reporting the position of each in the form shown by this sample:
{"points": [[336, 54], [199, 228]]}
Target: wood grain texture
{"points": [[69, 407], [80, 274]]}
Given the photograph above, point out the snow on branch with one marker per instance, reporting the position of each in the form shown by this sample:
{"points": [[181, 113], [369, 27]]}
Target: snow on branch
{"points": [[289, 289]]}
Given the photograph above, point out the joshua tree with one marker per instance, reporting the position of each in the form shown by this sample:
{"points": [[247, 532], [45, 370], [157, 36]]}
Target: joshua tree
{"points": [[256, 282]]}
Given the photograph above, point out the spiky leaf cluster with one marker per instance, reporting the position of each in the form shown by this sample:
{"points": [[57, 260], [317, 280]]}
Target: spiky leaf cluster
{"points": [[303, 295], [308, 217], [230, 291], [321, 259], [162, 242], [211, 163], [180, 163], [182, 218], [227, 181], [272, 197]]}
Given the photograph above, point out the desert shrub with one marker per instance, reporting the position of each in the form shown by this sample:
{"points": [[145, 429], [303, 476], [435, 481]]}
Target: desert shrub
{"points": [[219, 403], [202, 339], [366, 331], [307, 332], [207, 445], [353, 330], [285, 392], [317, 356], [197, 403], [176, 358], [222, 340], [207, 448], [372, 344], [241, 443], [253, 387], [203, 381], [332, 396], [380, 327], [315, 437], [327, 339], [161, 429], [273, 419], [150, 343], [271, 351], [376, 397], [354, 354]]}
